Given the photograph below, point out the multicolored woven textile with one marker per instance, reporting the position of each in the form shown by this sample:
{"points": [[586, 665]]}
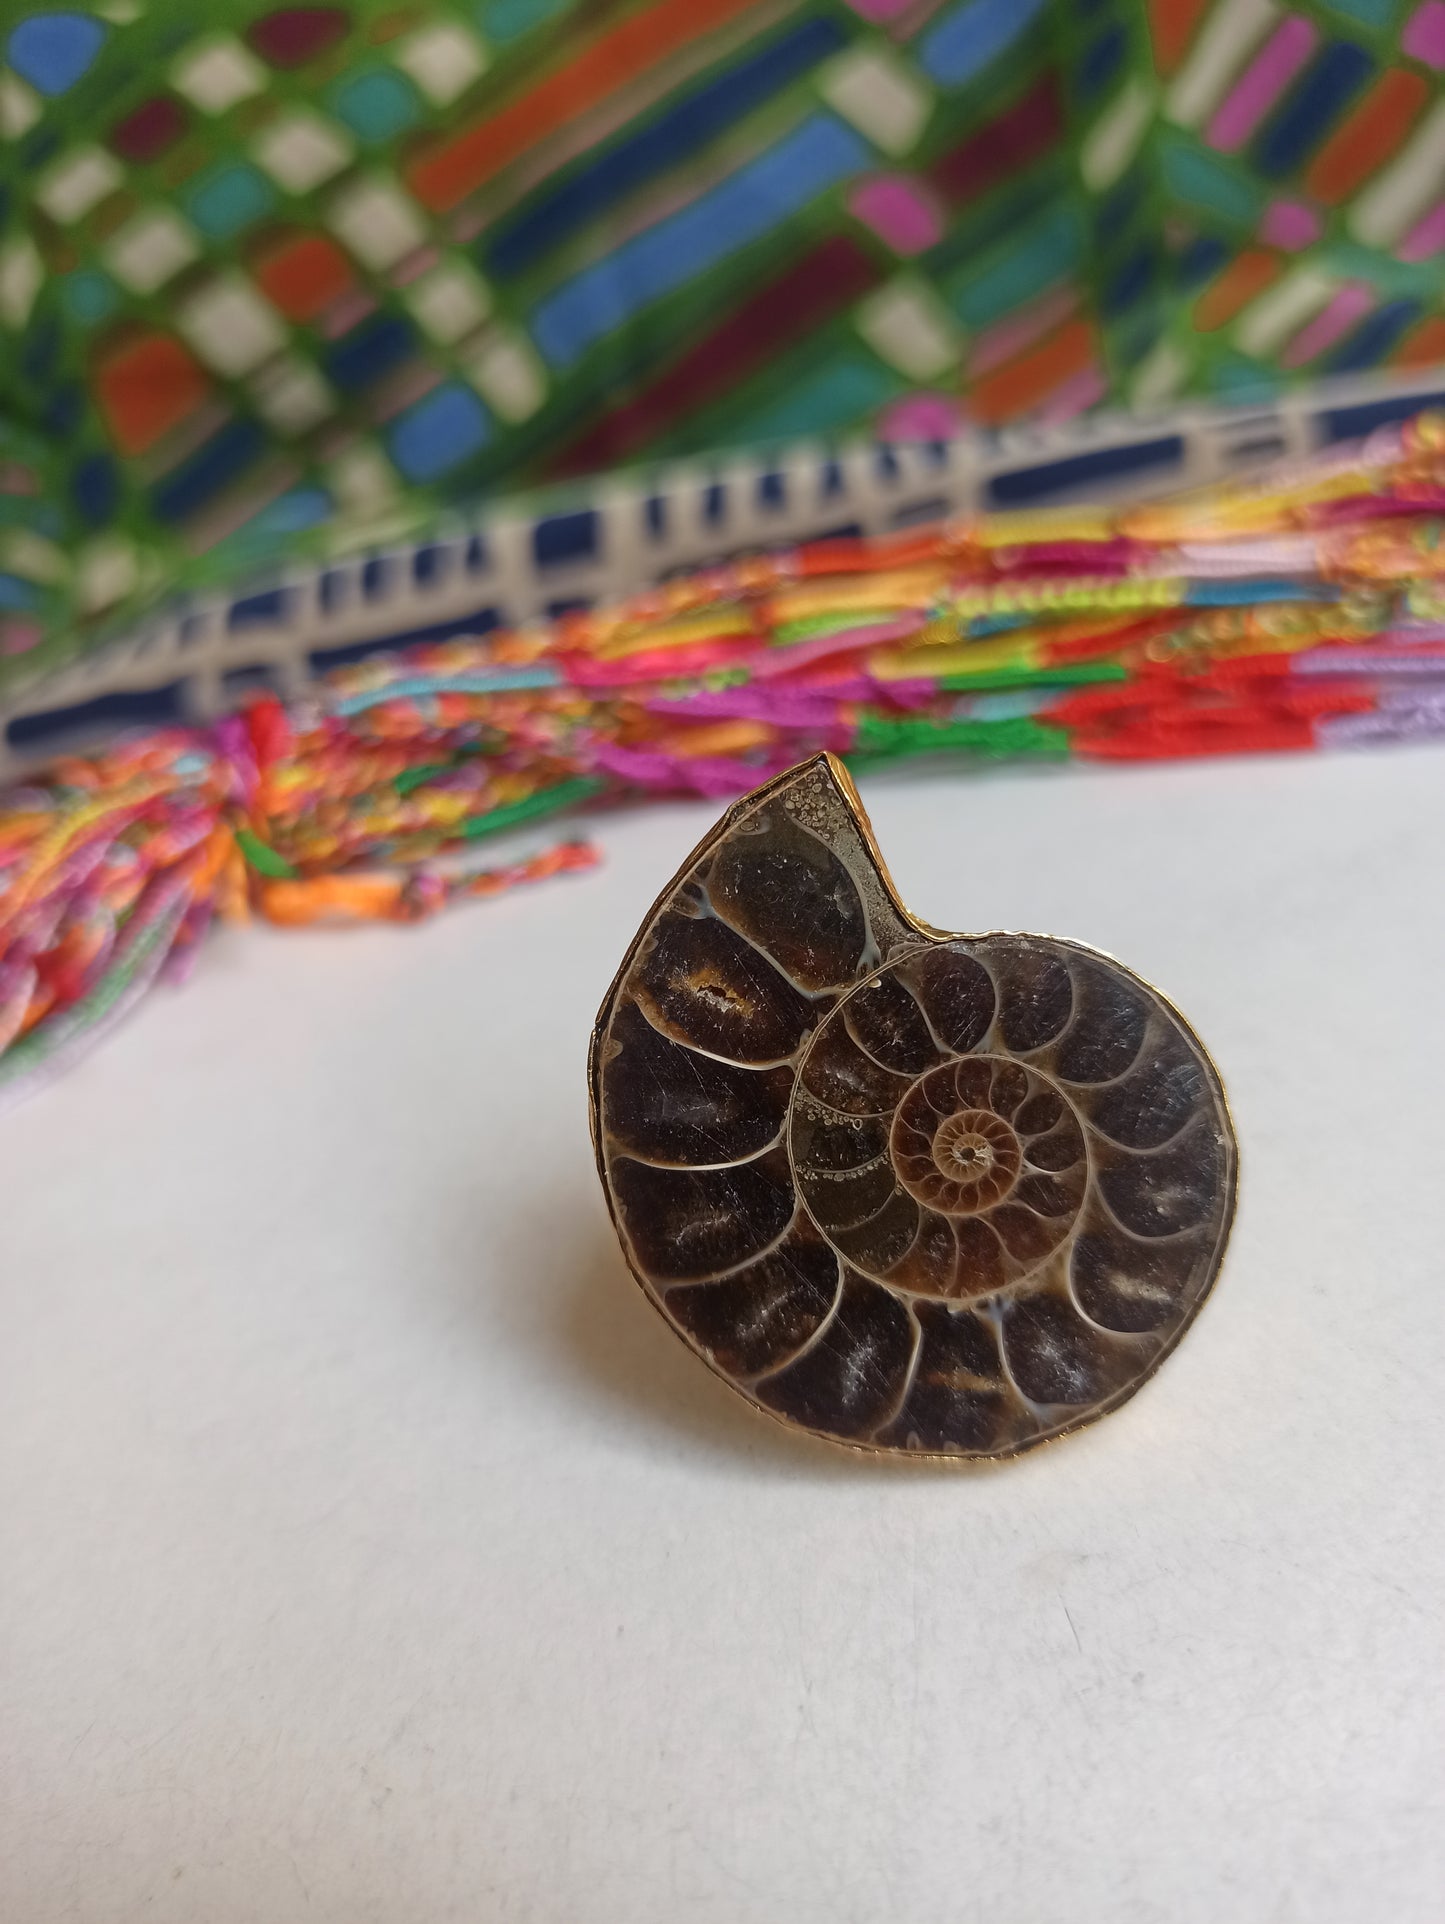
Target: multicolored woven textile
{"points": [[1304, 154], [271, 264], [269, 276], [1299, 611]]}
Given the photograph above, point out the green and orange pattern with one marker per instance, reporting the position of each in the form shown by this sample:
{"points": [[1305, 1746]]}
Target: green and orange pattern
{"points": [[267, 272], [266, 267]]}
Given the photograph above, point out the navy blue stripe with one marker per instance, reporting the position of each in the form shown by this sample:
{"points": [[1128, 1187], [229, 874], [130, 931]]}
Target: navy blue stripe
{"points": [[214, 463], [1032, 484], [478, 621], [148, 707], [1130, 284], [257, 611], [1307, 116], [681, 131], [1350, 423], [565, 537], [95, 489], [427, 563], [1373, 341], [1101, 62], [1202, 261], [369, 351]]}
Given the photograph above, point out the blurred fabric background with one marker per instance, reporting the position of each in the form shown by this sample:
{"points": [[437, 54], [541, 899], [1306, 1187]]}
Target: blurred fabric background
{"points": [[266, 274]]}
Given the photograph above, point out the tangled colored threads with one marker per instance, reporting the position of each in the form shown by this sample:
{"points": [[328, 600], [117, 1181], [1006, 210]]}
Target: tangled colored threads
{"points": [[1298, 609]]}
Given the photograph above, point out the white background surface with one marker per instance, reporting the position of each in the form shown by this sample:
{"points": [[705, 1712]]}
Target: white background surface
{"points": [[370, 1552]]}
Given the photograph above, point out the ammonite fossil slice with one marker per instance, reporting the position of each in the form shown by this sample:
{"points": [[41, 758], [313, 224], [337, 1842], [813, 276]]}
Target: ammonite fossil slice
{"points": [[909, 1191]]}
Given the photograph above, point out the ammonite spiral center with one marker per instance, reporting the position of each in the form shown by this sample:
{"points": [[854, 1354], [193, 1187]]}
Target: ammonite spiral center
{"points": [[975, 1153], [958, 1179]]}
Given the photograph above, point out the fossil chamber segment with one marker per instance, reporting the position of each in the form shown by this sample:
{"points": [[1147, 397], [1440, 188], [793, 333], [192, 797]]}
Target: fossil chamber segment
{"points": [[949, 1195]]}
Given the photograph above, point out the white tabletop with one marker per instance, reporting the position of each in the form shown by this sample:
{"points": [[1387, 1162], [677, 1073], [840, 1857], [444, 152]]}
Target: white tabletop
{"points": [[372, 1553]]}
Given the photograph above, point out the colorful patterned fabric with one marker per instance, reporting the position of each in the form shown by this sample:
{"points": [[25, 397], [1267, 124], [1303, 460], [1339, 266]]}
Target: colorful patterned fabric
{"points": [[268, 266], [270, 277], [1304, 152], [1298, 609]]}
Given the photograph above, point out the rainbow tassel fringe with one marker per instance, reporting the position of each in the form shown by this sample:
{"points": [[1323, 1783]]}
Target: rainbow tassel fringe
{"points": [[1301, 608]]}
